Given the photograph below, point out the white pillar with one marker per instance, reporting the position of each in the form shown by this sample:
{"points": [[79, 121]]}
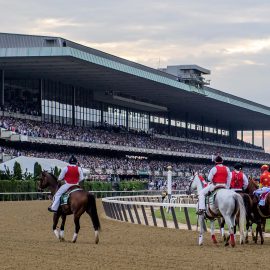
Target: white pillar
{"points": [[169, 182]]}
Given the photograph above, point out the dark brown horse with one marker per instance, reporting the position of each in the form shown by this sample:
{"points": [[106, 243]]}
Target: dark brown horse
{"points": [[252, 215], [78, 203], [257, 214]]}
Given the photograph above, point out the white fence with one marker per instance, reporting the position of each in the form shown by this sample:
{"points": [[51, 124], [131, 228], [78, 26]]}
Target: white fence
{"points": [[149, 209]]}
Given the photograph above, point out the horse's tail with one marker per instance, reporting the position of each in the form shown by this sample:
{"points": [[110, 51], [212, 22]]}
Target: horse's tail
{"points": [[92, 209], [242, 212]]}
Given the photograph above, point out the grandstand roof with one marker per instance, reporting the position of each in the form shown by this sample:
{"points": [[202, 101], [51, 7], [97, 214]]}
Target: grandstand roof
{"points": [[26, 56]]}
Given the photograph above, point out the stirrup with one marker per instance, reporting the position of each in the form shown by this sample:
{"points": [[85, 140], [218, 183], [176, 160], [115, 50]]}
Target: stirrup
{"points": [[50, 210], [200, 212]]}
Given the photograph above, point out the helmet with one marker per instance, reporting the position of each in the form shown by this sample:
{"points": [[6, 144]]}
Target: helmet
{"points": [[72, 160], [218, 160], [238, 166], [265, 167]]}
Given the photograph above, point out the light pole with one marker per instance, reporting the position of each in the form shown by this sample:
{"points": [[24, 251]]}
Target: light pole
{"points": [[169, 182]]}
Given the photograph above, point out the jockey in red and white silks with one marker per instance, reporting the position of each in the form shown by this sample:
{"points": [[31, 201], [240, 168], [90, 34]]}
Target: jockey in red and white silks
{"points": [[239, 180], [218, 176], [72, 174], [264, 183]]}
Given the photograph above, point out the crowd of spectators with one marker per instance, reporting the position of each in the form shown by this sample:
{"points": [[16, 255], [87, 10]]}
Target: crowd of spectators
{"points": [[109, 135], [126, 163], [29, 108]]}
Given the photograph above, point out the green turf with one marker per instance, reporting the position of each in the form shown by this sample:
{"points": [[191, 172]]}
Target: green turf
{"points": [[180, 215]]}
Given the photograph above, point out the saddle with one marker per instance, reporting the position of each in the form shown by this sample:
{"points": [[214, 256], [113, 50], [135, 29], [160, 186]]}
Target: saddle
{"points": [[210, 202], [65, 196]]}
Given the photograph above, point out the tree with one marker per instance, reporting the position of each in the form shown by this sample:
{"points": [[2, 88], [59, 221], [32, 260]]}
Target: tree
{"points": [[37, 170], [56, 171], [17, 171]]}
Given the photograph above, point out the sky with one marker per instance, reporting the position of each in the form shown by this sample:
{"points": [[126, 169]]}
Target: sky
{"points": [[231, 38]]}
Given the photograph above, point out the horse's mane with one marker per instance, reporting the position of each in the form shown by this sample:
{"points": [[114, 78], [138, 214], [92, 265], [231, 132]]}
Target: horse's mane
{"points": [[52, 175]]}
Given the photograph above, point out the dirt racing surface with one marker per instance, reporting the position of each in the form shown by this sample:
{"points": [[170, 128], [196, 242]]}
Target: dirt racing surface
{"points": [[27, 242]]}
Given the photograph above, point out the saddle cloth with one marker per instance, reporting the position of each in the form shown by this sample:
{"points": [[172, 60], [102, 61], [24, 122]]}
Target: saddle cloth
{"points": [[210, 198], [65, 196], [263, 198]]}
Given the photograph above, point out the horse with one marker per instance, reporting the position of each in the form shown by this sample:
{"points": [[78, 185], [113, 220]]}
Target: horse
{"points": [[258, 214], [79, 202], [227, 204], [196, 184]]}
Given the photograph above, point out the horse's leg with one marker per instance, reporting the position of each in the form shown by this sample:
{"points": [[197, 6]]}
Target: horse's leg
{"points": [[257, 232], [260, 229], [212, 224], [230, 222], [56, 217], [77, 226], [201, 219], [247, 228], [92, 212], [222, 224], [62, 228]]}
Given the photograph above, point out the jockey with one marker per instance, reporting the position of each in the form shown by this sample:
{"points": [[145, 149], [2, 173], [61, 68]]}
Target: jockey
{"points": [[203, 181], [239, 180], [72, 174], [264, 181], [219, 176]]}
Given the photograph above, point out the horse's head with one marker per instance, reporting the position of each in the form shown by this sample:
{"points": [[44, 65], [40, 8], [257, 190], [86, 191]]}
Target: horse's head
{"points": [[252, 186], [195, 183], [46, 180]]}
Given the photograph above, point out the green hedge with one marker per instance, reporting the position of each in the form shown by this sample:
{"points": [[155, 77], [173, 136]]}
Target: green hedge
{"points": [[96, 186], [18, 186], [132, 185]]}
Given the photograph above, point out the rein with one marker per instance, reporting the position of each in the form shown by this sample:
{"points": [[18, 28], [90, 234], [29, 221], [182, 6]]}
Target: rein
{"points": [[261, 213]]}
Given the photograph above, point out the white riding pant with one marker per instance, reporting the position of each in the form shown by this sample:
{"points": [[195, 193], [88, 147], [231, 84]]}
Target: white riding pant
{"points": [[261, 190], [204, 192], [58, 194]]}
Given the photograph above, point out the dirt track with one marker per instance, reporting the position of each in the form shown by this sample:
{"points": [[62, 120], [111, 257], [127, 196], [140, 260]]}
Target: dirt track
{"points": [[27, 242]]}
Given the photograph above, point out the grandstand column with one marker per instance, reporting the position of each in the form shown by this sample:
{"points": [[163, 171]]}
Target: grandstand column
{"points": [[169, 124], [252, 136], [242, 135], [41, 92], [186, 121], [127, 123], [73, 104], [216, 129], [263, 139], [2, 74], [101, 113], [202, 123], [169, 182]]}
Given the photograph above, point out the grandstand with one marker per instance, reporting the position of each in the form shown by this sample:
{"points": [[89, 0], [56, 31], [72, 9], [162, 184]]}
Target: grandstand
{"points": [[58, 97]]}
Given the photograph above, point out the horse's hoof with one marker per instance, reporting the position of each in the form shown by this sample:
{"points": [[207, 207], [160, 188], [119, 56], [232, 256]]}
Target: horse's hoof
{"points": [[62, 240], [214, 240]]}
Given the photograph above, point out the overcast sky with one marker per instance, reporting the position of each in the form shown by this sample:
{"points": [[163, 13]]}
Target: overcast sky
{"points": [[231, 38]]}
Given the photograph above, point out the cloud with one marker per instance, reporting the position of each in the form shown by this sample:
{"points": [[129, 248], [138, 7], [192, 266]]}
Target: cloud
{"points": [[249, 46]]}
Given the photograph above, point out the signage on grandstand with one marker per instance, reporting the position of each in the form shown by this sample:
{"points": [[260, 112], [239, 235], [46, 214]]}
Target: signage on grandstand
{"points": [[136, 157]]}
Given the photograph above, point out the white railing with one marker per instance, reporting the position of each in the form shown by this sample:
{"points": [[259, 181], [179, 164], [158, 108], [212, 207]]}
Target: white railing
{"points": [[148, 210]]}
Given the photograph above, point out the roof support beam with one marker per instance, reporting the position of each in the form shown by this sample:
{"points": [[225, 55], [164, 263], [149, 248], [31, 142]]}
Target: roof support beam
{"points": [[263, 139], [2, 87]]}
